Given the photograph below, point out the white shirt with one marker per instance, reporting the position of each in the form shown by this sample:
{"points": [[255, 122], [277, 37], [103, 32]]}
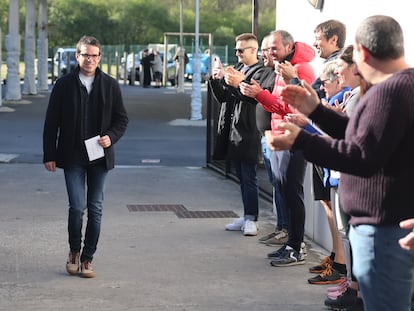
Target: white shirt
{"points": [[86, 81]]}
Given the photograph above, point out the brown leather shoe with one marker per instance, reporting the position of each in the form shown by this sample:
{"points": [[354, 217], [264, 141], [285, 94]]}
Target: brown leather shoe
{"points": [[87, 270], [72, 264]]}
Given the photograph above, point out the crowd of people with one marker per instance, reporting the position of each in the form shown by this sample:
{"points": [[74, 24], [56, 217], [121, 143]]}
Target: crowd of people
{"points": [[354, 122]]}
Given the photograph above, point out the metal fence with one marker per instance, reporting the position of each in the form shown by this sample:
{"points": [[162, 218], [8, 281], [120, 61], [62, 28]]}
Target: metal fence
{"points": [[114, 56]]}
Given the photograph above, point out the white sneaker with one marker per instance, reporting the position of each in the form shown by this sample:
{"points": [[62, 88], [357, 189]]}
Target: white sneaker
{"points": [[303, 250], [250, 227], [236, 225]]}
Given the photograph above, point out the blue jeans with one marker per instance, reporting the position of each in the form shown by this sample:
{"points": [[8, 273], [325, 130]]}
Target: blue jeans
{"points": [[278, 162], [75, 177], [295, 205], [385, 271], [266, 152], [247, 174]]}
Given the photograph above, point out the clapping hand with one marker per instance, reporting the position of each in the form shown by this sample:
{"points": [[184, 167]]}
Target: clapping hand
{"points": [[250, 90], [303, 98], [283, 141], [407, 242]]}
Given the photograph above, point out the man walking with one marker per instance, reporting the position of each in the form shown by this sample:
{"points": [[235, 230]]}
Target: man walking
{"points": [[84, 106]]}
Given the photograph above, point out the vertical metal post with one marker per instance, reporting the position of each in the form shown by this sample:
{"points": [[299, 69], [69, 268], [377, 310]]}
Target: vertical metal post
{"points": [[255, 17], [180, 81], [125, 68], [196, 86], [165, 62]]}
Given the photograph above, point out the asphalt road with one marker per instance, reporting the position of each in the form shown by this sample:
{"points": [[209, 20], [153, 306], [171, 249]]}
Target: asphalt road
{"points": [[159, 130]]}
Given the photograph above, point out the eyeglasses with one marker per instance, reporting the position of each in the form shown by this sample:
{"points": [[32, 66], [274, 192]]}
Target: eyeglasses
{"points": [[241, 50], [90, 56], [323, 81]]}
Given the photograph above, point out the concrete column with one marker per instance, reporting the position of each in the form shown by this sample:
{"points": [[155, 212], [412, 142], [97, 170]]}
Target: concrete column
{"points": [[1, 96], [13, 91], [29, 85], [42, 48]]}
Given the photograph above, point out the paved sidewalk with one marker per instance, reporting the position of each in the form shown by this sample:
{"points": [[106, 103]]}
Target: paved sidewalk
{"points": [[150, 260], [145, 260]]}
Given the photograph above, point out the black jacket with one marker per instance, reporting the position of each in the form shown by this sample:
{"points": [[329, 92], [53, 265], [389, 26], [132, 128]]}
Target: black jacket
{"points": [[61, 127], [239, 138]]}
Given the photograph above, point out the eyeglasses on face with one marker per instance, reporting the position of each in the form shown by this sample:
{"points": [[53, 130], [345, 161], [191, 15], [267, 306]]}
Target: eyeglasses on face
{"points": [[241, 50], [89, 56], [272, 49], [323, 82]]}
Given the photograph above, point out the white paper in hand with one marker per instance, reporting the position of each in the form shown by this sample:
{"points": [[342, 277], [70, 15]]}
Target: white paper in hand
{"points": [[95, 151]]}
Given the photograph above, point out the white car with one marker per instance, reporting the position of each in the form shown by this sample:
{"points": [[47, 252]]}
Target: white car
{"points": [[64, 62]]}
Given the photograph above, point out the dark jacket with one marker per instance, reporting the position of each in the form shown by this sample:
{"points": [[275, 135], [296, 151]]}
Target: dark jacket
{"points": [[60, 140], [238, 138], [263, 117]]}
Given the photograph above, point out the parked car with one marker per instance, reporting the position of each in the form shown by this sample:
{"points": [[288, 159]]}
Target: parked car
{"points": [[170, 67], [204, 70], [64, 61], [129, 67]]}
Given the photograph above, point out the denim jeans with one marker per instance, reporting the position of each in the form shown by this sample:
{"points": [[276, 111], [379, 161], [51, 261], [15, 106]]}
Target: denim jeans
{"points": [[279, 163], [385, 271], [247, 174], [266, 152], [77, 177], [295, 205]]}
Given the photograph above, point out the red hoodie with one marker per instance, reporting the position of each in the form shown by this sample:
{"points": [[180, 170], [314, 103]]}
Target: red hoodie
{"points": [[301, 59]]}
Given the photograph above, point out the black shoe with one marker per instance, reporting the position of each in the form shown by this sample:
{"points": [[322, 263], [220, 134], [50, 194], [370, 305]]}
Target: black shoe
{"points": [[289, 257], [322, 266], [347, 301], [277, 253], [328, 276]]}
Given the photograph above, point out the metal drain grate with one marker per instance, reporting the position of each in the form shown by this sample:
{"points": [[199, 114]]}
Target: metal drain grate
{"points": [[206, 214], [180, 211], [156, 207]]}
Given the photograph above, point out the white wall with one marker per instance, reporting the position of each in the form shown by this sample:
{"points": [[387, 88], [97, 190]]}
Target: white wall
{"points": [[300, 19]]}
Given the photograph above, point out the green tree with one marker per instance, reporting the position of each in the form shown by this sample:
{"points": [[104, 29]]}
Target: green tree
{"points": [[69, 20], [130, 22]]}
